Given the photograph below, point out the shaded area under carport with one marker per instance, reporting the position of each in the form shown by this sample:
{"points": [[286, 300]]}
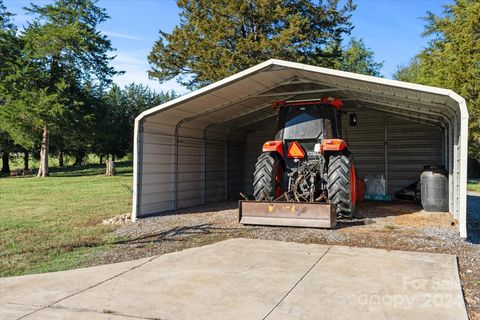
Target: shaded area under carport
{"points": [[201, 148], [473, 217]]}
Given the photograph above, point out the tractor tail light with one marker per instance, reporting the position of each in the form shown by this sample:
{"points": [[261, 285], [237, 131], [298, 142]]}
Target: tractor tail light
{"points": [[278, 104], [333, 142]]}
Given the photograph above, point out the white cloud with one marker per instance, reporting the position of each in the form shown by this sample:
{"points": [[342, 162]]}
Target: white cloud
{"points": [[121, 35], [130, 59]]}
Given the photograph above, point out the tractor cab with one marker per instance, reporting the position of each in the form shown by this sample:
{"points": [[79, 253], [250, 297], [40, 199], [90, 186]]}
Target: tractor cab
{"points": [[308, 120]]}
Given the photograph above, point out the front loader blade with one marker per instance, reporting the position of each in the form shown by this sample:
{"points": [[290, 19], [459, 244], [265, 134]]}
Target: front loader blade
{"points": [[295, 214]]}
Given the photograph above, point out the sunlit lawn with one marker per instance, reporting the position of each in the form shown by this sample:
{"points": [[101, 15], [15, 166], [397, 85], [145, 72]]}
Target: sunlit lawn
{"points": [[474, 186], [50, 224]]}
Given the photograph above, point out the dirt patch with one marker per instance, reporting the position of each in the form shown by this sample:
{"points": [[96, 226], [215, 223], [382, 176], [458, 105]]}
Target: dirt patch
{"points": [[393, 226], [426, 219]]}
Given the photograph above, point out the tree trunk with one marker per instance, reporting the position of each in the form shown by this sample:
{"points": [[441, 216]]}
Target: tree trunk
{"points": [[25, 160], [5, 162], [101, 159], [60, 158], [113, 157], [44, 146], [110, 168], [79, 156]]}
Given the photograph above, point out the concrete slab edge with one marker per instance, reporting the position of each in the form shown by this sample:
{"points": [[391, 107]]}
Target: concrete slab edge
{"points": [[90, 287]]}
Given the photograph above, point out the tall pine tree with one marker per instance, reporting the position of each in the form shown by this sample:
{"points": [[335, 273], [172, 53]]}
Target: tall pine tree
{"points": [[218, 38], [9, 50], [63, 52]]}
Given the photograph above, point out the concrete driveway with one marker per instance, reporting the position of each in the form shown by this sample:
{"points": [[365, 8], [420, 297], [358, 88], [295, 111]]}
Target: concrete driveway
{"points": [[247, 279]]}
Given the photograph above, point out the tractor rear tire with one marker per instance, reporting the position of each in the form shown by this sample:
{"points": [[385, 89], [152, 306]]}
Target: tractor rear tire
{"points": [[340, 167], [264, 178]]}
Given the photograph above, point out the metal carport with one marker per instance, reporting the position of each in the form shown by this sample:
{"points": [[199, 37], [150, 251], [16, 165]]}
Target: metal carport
{"points": [[201, 147]]}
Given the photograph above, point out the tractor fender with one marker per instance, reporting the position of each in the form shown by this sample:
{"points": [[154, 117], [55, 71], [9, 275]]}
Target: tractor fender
{"points": [[353, 185], [334, 145], [273, 146]]}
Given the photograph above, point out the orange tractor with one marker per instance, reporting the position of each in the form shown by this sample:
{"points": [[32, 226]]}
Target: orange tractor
{"points": [[306, 176]]}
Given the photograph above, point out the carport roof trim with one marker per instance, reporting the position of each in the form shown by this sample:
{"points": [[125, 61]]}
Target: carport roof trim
{"points": [[294, 65]]}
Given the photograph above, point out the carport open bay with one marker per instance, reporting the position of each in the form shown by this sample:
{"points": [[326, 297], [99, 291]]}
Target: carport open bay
{"points": [[248, 279]]}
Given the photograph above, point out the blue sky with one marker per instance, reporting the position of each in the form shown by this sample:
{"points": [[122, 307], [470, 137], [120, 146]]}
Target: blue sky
{"points": [[391, 28]]}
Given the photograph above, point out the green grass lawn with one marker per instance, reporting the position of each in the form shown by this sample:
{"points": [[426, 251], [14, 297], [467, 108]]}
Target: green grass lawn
{"points": [[474, 186], [50, 224]]}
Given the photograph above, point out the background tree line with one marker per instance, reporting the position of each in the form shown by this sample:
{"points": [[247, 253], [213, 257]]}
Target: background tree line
{"points": [[452, 60], [215, 40], [56, 92]]}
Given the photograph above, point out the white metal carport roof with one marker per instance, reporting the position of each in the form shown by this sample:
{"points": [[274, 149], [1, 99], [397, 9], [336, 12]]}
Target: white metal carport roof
{"points": [[244, 100]]}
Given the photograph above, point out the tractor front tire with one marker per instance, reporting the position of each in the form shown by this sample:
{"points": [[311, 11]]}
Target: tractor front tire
{"points": [[265, 178], [340, 168]]}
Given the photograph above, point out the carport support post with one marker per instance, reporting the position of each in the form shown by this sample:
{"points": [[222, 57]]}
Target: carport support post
{"points": [[463, 174], [456, 163], [450, 170], [444, 148], [204, 169], [137, 169], [385, 148], [226, 166], [175, 167], [245, 164]]}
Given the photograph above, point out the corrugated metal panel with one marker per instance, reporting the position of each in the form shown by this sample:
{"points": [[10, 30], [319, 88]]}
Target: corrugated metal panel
{"points": [[157, 187], [190, 168], [410, 147], [366, 142], [216, 165], [235, 166]]}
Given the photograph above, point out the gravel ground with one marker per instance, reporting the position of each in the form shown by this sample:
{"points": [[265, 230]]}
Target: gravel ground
{"points": [[401, 226]]}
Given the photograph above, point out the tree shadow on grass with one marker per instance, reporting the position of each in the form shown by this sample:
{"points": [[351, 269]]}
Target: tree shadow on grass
{"points": [[123, 169]]}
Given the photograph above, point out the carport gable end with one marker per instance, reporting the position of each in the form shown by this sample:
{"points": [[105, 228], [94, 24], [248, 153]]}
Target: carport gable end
{"points": [[198, 148]]}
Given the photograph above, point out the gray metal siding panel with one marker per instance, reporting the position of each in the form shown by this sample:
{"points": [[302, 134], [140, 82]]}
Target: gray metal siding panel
{"points": [[235, 165], [157, 188], [411, 146], [190, 168], [215, 166], [366, 142]]}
